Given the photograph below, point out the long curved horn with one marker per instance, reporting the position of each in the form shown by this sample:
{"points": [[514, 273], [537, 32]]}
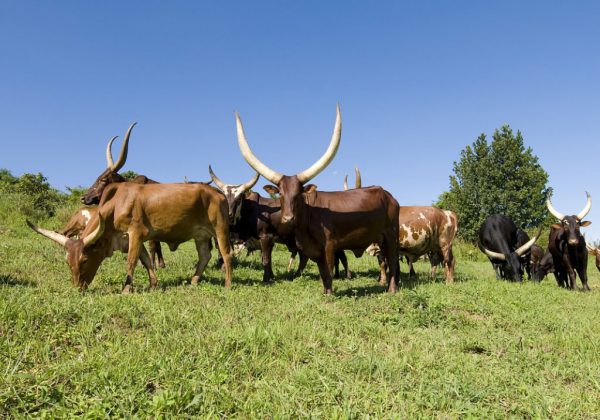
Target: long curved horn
{"points": [[109, 160], [251, 183], [123, 155], [216, 179], [590, 248], [322, 163], [495, 255], [586, 209], [96, 234], [252, 160], [553, 211], [358, 180], [346, 183], [525, 247], [50, 234]]}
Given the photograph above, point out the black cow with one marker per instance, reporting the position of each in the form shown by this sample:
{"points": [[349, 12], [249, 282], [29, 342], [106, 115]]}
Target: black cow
{"points": [[568, 248], [499, 240]]}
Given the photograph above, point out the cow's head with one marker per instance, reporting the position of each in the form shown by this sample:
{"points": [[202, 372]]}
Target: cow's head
{"points": [[595, 251], [543, 267], [290, 188], [234, 193], [110, 174], [83, 255], [513, 263], [357, 180], [570, 224]]}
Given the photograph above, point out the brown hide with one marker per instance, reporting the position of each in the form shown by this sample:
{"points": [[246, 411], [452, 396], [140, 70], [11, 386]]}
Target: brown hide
{"points": [[172, 213], [428, 230]]}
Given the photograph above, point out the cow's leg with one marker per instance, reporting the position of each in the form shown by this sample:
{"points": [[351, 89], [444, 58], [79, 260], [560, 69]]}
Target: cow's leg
{"points": [[411, 269], [582, 271], [301, 264], [147, 263], [133, 254], [389, 248], [224, 246], [325, 273], [336, 264], [203, 249], [152, 246], [266, 250], [291, 261], [344, 260], [383, 280], [161, 261]]}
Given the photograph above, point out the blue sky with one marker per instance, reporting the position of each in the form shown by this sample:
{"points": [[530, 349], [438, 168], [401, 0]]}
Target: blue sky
{"points": [[416, 81]]}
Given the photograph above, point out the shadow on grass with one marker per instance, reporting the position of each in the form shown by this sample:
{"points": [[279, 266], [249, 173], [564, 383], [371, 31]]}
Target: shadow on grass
{"points": [[361, 291], [11, 281]]}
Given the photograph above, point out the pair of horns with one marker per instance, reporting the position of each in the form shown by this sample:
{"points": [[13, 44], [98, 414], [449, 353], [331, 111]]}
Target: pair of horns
{"points": [[580, 216], [115, 167], [62, 239], [303, 176], [519, 251], [223, 186], [357, 181]]}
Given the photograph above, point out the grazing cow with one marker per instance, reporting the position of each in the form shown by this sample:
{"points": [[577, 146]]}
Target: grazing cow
{"points": [[568, 248], [172, 213], [253, 217], [325, 222], [499, 240], [595, 252], [111, 175], [540, 262]]}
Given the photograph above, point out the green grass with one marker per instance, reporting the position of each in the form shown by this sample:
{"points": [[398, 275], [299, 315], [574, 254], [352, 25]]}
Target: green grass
{"points": [[480, 347]]}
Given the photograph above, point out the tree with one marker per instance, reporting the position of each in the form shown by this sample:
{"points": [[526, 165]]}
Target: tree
{"points": [[129, 175], [501, 177]]}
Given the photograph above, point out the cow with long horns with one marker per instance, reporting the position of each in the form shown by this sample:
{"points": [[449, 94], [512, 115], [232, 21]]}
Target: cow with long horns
{"points": [[253, 217], [567, 246], [595, 251], [172, 213], [111, 175], [324, 222], [499, 240]]}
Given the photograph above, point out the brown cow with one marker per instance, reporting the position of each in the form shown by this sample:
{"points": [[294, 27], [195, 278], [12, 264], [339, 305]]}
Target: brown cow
{"points": [[596, 253], [324, 222], [425, 230], [110, 175], [172, 213]]}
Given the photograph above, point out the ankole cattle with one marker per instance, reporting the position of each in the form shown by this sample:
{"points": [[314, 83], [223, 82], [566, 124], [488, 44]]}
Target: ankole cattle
{"points": [[426, 230], [499, 240], [567, 246], [111, 175], [172, 213], [325, 222], [541, 263], [253, 217], [596, 253]]}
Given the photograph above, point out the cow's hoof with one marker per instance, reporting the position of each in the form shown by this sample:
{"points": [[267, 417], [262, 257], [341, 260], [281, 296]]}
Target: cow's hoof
{"points": [[194, 281], [161, 264], [349, 275], [126, 290]]}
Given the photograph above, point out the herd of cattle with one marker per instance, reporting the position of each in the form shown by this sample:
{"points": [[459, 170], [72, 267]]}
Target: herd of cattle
{"points": [[313, 224]]}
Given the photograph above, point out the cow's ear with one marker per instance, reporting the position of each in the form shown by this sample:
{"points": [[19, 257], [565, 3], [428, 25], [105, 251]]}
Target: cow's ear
{"points": [[310, 188], [271, 189], [585, 223], [556, 226]]}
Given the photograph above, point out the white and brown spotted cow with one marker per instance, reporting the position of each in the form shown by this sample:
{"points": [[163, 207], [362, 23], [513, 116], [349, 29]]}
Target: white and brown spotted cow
{"points": [[426, 230]]}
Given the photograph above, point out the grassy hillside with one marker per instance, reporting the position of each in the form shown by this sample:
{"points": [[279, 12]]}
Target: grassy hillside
{"points": [[480, 347]]}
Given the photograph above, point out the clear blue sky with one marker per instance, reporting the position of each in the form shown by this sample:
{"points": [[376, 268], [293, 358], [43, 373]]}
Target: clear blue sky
{"points": [[417, 81]]}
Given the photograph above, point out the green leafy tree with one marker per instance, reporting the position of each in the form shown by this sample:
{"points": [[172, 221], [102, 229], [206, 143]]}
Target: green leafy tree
{"points": [[129, 175], [501, 177]]}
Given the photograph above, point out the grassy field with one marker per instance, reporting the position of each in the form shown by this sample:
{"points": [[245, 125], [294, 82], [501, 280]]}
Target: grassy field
{"points": [[479, 347]]}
